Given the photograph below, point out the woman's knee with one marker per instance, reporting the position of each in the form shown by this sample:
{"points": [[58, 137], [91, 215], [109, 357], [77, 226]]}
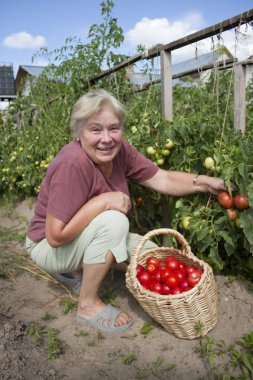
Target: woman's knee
{"points": [[114, 223]]}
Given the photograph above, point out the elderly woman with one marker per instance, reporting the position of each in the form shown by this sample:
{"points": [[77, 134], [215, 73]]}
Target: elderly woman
{"points": [[80, 226]]}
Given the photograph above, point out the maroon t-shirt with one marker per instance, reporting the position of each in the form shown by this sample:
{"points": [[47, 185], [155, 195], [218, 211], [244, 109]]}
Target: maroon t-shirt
{"points": [[73, 178]]}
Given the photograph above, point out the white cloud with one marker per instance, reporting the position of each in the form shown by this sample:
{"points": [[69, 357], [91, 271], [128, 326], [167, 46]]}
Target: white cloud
{"points": [[24, 40], [149, 32]]}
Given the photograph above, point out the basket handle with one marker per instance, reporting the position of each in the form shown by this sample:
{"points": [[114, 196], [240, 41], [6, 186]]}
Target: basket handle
{"points": [[186, 250]]}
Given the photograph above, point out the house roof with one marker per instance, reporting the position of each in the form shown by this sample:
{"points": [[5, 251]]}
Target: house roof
{"points": [[35, 71]]}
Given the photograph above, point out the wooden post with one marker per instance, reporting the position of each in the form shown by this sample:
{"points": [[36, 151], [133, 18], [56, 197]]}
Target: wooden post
{"points": [[167, 111], [166, 85], [240, 97]]}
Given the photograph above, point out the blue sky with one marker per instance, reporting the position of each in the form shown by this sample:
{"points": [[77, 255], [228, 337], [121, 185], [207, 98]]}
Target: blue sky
{"points": [[28, 25]]}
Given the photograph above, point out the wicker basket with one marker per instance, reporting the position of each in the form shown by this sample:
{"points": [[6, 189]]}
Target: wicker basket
{"points": [[187, 315]]}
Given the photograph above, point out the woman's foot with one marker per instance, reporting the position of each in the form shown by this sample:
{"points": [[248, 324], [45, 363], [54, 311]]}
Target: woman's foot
{"points": [[88, 312]]}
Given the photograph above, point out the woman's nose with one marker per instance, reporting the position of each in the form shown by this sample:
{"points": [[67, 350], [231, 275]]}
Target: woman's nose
{"points": [[106, 136]]}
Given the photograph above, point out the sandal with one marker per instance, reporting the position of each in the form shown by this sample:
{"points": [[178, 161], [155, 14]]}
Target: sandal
{"points": [[104, 320], [73, 283]]}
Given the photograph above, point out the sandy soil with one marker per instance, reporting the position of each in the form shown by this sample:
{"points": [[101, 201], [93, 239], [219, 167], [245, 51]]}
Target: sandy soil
{"points": [[27, 299]]}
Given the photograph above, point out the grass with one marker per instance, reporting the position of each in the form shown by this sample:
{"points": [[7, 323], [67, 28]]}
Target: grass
{"points": [[228, 361], [41, 334]]}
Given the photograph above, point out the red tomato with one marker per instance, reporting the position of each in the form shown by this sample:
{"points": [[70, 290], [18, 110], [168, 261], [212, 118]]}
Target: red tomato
{"points": [[165, 289], [157, 287], [241, 201], [153, 260], [225, 200], [232, 214], [184, 284], [194, 277], [144, 278], [181, 274], [181, 265], [140, 268], [168, 258], [157, 276], [138, 201], [190, 269], [172, 281], [152, 268], [165, 273], [162, 265], [176, 290], [172, 264]]}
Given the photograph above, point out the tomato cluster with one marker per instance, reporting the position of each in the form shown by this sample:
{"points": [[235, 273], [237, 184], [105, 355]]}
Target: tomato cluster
{"points": [[233, 204], [169, 276]]}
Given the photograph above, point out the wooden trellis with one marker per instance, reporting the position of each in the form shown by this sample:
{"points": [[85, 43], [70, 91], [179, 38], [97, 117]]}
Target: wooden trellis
{"points": [[164, 51]]}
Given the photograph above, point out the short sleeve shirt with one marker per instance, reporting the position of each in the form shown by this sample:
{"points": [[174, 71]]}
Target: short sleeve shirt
{"points": [[72, 179]]}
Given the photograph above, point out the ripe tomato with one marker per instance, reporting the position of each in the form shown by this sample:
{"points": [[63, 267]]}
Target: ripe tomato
{"points": [[168, 258], [176, 290], [194, 277], [144, 278], [181, 274], [157, 287], [157, 276], [172, 264], [172, 281], [184, 284], [225, 200], [162, 265], [232, 214], [152, 268], [140, 268], [139, 201], [165, 289], [165, 273], [153, 260], [241, 201], [190, 268], [182, 265]]}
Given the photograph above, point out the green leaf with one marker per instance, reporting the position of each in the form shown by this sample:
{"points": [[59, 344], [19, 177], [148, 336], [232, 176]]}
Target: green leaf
{"points": [[226, 236], [246, 219], [146, 328], [159, 360]]}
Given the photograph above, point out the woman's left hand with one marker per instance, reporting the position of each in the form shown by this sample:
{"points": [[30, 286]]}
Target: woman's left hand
{"points": [[215, 185]]}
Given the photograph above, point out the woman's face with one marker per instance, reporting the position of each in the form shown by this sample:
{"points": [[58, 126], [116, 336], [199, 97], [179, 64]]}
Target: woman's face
{"points": [[101, 136]]}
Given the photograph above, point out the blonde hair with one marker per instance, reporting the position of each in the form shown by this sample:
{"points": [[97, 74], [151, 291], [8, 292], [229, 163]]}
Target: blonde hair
{"points": [[91, 103]]}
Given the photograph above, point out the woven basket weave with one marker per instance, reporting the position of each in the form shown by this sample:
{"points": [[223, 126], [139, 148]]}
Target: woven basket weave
{"points": [[179, 314]]}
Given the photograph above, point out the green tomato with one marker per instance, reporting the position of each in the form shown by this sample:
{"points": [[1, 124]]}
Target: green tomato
{"points": [[238, 223], [169, 144], [165, 152], [151, 151], [209, 163], [160, 161], [186, 222], [134, 129]]}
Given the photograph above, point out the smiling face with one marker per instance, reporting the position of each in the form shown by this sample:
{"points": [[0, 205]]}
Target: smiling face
{"points": [[101, 137]]}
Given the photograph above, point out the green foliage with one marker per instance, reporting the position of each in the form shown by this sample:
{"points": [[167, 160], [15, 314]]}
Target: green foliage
{"points": [[35, 128], [228, 362]]}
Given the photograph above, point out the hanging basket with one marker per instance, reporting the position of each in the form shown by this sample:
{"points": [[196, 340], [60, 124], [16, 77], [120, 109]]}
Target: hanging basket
{"points": [[188, 315]]}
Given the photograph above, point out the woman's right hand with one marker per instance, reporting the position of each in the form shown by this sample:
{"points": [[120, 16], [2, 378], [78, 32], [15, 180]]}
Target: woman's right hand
{"points": [[116, 200]]}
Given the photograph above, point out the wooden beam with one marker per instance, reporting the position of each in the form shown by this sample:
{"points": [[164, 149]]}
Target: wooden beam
{"points": [[240, 97], [233, 22], [166, 85]]}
